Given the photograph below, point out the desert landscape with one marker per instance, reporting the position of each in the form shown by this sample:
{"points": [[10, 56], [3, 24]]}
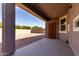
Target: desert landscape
{"points": [[22, 33]]}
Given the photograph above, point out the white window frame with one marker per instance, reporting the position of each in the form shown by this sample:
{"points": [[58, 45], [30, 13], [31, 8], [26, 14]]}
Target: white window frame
{"points": [[74, 25], [65, 16]]}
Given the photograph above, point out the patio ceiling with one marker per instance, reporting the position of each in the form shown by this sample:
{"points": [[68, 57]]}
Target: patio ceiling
{"points": [[48, 11]]}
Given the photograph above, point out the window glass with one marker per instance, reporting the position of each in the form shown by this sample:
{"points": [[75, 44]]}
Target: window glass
{"points": [[77, 23], [63, 24], [63, 21], [63, 27]]}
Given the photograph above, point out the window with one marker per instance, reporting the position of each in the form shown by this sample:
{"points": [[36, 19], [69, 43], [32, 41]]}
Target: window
{"points": [[76, 23], [62, 24]]}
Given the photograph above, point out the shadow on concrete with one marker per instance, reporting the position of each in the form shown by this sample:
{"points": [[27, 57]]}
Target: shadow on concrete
{"points": [[25, 41]]}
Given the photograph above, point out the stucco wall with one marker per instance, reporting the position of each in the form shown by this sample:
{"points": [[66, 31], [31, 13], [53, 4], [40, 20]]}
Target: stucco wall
{"points": [[73, 36], [63, 36]]}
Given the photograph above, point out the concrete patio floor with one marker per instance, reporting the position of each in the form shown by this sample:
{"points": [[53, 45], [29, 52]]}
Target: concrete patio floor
{"points": [[45, 47]]}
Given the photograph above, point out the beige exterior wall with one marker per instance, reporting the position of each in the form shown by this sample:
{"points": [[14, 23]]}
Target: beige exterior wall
{"points": [[72, 36], [63, 36]]}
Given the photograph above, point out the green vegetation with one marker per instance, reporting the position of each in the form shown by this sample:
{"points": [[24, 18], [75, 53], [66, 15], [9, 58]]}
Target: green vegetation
{"points": [[27, 27], [0, 24], [22, 27], [37, 29]]}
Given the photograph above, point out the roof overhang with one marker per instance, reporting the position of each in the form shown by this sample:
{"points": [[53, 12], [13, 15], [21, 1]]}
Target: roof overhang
{"points": [[45, 11]]}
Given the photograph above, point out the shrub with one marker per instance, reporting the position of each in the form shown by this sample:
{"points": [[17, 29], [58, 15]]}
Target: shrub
{"points": [[22, 27], [37, 29], [26, 27], [0, 24]]}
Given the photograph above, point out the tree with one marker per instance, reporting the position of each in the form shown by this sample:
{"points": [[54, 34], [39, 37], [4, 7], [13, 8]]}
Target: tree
{"points": [[22, 27], [37, 29], [18, 27], [0, 24]]}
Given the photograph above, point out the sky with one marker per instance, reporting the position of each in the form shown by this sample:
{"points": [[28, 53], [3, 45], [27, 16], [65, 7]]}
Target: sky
{"points": [[25, 18]]}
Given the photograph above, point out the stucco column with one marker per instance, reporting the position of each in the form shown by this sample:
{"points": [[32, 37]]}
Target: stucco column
{"points": [[46, 29], [8, 30]]}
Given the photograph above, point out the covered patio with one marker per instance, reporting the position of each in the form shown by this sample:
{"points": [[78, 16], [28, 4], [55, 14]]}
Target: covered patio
{"points": [[60, 38], [45, 47]]}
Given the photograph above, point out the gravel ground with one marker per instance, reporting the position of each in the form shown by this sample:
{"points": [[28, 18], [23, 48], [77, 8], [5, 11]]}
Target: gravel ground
{"points": [[22, 34]]}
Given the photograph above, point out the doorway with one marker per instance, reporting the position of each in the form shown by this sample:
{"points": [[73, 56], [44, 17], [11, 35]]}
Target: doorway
{"points": [[52, 30]]}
